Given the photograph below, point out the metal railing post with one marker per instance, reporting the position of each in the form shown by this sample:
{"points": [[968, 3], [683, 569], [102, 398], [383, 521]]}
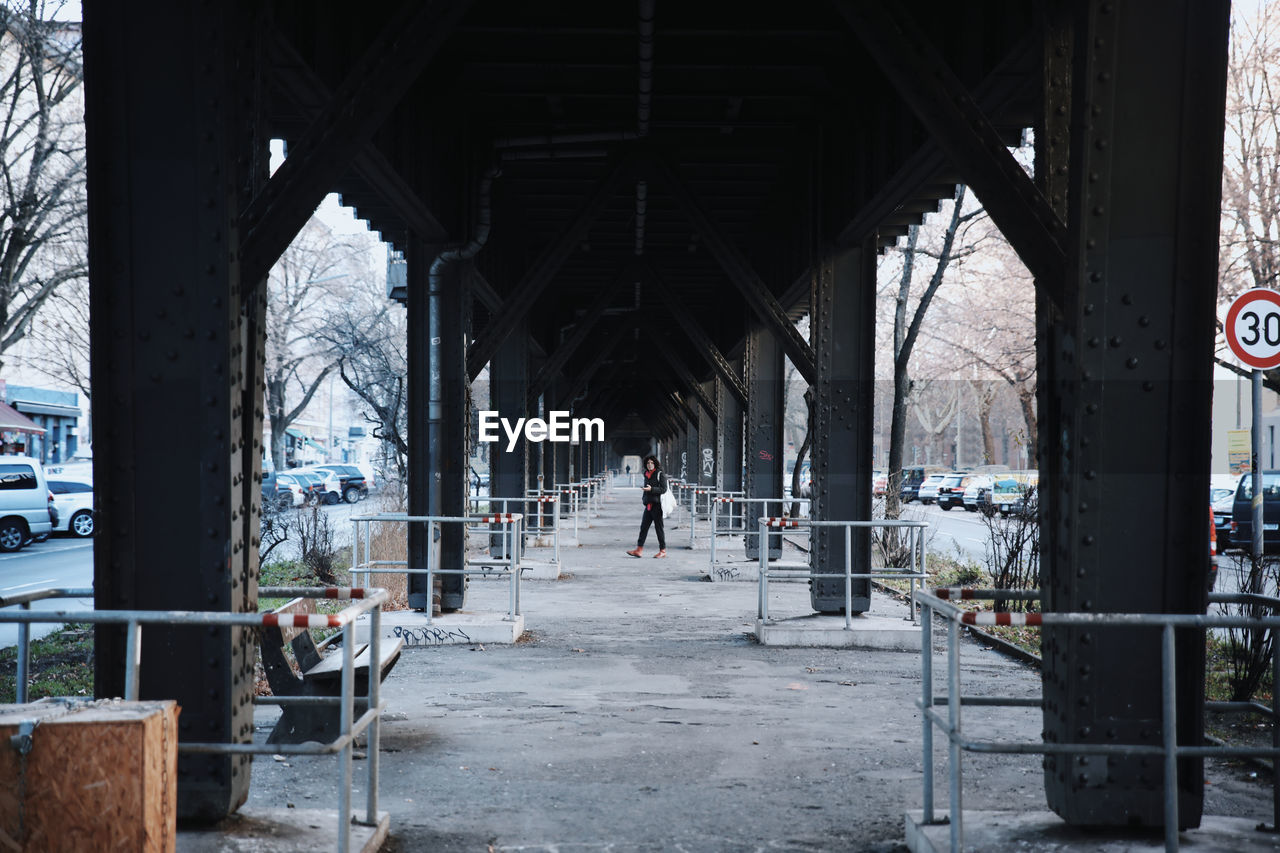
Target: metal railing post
{"points": [[24, 659], [1170, 722], [953, 735], [848, 577], [926, 705], [132, 659], [375, 725], [764, 577], [431, 562], [714, 513], [346, 712], [555, 526], [693, 514]]}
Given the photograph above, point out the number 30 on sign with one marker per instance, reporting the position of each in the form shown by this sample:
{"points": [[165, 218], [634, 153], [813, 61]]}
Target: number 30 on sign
{"points": [[1253, 328]]}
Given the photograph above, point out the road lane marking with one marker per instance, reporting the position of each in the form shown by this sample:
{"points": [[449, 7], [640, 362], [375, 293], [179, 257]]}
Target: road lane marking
{"points": [[41, 582]]}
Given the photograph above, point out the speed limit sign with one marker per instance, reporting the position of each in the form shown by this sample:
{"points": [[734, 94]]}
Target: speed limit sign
{"points": [[1253, 328]]}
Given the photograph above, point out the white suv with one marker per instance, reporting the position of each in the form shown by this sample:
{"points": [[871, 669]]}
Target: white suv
{"points": [[26, 504]]}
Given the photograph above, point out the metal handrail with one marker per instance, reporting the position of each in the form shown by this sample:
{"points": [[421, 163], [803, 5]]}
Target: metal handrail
{"points": [[941, 601], [916, 573], [511, 526], [730, 498], [364, 600]]}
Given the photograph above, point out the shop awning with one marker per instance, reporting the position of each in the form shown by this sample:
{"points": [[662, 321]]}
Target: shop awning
{"points": [[31, 407], [11, 420]]}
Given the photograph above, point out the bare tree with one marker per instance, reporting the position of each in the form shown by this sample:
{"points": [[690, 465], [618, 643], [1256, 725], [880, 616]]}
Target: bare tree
{"points": [[369, 337], [1250, 224], [42, 157], [906, 331], [306, 288]]}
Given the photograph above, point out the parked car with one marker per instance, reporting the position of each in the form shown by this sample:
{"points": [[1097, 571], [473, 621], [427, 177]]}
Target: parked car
{"points": [[912, 478], [309, 486], [1222, 498], [951, 489], [330, 483], [284, 491], [351, 481], [1242, 513], [879, 483], [27, 511], [74, 500], [928, 491], [977, 493]]}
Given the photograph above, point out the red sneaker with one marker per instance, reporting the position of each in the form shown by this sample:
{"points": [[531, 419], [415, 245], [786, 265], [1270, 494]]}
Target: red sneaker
{"points": [[661, 554], [639, 552]]}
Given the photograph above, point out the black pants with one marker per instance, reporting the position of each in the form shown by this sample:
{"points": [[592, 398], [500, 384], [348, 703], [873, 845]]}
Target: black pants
{"points": [[652, 515]]}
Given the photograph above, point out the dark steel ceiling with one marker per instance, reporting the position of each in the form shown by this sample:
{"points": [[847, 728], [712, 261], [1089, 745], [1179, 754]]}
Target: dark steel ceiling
{"points": [[771, 115]]}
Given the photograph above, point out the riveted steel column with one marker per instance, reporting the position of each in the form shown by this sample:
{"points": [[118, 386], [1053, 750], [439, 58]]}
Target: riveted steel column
{"points": [[844, 323], [729, 438], [562, 454], [175, 151], [1132, 380], [707, 442], [763, 369], [423, 486], [450, 421], [508, 395]]}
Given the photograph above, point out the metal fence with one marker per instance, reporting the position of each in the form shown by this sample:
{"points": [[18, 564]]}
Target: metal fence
{"points": [[738, 520], [362, 600], [364, 564], [940, 602], [913, 573]]}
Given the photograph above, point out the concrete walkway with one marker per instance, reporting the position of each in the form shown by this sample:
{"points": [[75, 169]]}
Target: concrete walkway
{"points": [[639, 714]]}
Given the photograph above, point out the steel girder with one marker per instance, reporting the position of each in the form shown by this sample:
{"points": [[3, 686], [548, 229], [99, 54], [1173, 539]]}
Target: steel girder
{"points": [[371, 90], [728, 439], [685, 378], [585, 324], [534, 282], [844, 399], [950, 113], [738, 269], [1131, 387], [177, 339], [697, 335], [309, 94], [764, 439]]}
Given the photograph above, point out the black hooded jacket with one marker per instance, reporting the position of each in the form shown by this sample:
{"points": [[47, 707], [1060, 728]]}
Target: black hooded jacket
{"points": [[658, 480]]}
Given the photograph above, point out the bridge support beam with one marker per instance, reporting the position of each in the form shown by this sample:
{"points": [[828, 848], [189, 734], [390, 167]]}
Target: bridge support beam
{"points": [[1130, 391], [728, 438], [844, 322], [706, 461], [763, 369], [508, 393], [177, 361]]}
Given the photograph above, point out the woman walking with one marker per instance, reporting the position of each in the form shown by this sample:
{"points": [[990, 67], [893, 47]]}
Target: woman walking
{"points": [[655, 484]]}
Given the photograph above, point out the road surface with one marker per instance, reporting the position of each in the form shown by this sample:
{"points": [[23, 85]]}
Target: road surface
{"points": [[56, 562]]}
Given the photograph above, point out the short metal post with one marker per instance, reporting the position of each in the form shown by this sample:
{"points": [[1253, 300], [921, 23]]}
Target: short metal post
{"points": [[915, 570], [1170, 723], [764, 579], [555, 526], [926, 736], [431, 561], [714, 507], [953, 735], [24, 658], [575, 516], [344, 726], [513, 567], [848, 578], [375, 734], [693, 514], [132, 659]]}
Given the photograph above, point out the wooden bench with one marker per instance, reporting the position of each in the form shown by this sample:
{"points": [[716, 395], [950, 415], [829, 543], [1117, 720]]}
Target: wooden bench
{"points": [[321, 675]]}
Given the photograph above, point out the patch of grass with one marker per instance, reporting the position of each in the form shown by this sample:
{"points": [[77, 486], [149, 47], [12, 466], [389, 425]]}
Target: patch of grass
{"points": [[61, 665]]}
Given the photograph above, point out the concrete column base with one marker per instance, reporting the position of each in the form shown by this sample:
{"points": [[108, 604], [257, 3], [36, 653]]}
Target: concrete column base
{"points": [[821, 630], [462, 628]]}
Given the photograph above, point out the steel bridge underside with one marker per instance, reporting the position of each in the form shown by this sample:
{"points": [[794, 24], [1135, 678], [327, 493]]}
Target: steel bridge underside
{"points": [[660, 194]]}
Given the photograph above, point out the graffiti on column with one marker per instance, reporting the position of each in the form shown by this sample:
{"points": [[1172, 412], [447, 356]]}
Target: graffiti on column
{"points": [[684, 465], [708, 462]]}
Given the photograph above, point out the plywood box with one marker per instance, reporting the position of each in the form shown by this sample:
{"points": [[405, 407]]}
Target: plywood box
{"points": [[99, 776]]}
